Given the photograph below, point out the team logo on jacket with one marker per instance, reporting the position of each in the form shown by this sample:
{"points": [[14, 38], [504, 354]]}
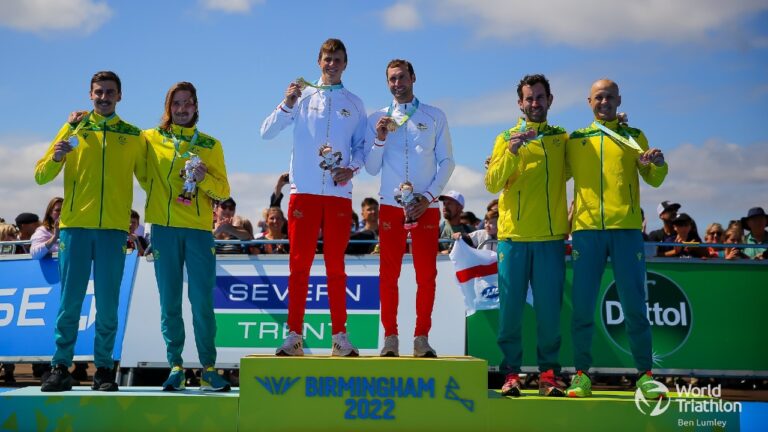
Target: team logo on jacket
{"points": [[85, 135], [121, 139], [298, 214], [345, 113], [421, 127], [583, 142], [386, 226]]}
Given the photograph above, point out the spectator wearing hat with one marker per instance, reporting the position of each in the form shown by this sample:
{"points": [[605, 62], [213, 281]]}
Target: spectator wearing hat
{"points": [[755, 223], [26, 223], [667, 212], [227, 228], [453, 206], [686, 232]]}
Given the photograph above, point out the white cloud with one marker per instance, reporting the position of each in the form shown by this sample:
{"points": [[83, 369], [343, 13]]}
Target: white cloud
{"points": [[596, 22], [46, 15], [401, 16], [231, 6]]}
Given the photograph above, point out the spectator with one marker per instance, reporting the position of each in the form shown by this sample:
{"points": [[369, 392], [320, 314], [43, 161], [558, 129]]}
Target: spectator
{"points": [[355, 223], [45, 240], [241, 223], [225, 229], [369, 209], [493, 205], [755, 223], [8, 233], [713, 234], [469, 218], [667, 212], [733, 236], [453, 204], [685, 227], [276, 223], [277, 196], [135, 240], [484, 238], [26, 223]]}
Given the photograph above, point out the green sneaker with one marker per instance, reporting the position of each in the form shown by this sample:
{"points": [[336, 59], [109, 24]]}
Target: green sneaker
{"points": [[581, 386], [650, 388], [176, 380], [213, 382]]}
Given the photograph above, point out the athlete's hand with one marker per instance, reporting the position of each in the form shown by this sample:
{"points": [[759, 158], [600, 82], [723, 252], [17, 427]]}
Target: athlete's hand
{"points": [[60, 150], [199, 172], [654, 156], [417, 208], [516, 140], [292, 94], [342, 175], [76, 116], [381, 128]]}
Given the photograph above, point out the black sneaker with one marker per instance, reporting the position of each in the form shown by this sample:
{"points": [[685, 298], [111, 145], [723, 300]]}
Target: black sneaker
{"points": [[104, 380], [57, 380]]}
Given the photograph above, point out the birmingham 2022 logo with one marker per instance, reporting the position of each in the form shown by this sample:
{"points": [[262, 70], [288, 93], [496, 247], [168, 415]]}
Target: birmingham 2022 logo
{"points": [[669, 313]]}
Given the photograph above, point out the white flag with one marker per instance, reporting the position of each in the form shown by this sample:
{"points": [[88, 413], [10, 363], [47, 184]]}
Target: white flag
{"points": [[477, 276]]}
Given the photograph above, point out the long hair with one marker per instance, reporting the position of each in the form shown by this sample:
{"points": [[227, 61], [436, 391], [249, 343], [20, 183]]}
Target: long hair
{"points": [[167, 120], [48, 219]]}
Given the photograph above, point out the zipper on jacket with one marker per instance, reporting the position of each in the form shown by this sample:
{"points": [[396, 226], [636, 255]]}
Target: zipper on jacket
{"points": [[103, 158], [149, 195], [546, 183], [74, 189], [631, 200], [602, 198], [170, 189], [518, 205]]}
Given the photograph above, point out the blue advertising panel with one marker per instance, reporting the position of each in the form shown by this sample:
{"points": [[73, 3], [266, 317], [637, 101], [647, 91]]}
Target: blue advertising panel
{"points": [[29, 302]]}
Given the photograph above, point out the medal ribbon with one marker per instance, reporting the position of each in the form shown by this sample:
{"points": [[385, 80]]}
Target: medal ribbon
{"points": [[74, 131], [304, 83], [414, 107], [523, 124], [177, 143], [631, 143]]}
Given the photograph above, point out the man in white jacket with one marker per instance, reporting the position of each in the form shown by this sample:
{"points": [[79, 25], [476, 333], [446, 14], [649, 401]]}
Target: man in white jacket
{"points": [[328, 133], [409, 143]]}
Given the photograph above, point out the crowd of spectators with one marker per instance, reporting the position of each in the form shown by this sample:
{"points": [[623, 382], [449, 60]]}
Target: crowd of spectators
{"points": [[678, 237]]}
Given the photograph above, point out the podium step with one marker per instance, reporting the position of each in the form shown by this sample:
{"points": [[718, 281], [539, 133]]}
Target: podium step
{"points": [[130, 409]]}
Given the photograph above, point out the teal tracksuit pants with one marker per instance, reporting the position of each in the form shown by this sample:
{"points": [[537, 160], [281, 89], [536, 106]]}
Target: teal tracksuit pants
{"points": [[590, 252], [542, 264], [172, 248], [81, 249]]}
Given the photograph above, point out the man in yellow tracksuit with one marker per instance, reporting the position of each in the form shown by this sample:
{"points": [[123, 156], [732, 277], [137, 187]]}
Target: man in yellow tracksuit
{"points": [[182, 230], [605, 160], [99, 153], [528, 167]]}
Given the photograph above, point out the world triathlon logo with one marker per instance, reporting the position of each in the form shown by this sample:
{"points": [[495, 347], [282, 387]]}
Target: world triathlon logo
{"points": [[668, 312], [659, 407]]}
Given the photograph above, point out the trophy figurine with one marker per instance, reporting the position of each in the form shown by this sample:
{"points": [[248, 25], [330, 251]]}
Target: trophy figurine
{"points": [[405, 196], [190, 184], [330, 159]]}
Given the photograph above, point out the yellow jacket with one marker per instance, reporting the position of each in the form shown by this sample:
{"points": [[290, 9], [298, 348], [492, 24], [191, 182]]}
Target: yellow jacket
{"points": [[165, 183], [605, 173], [532, 205], [98, 183]]}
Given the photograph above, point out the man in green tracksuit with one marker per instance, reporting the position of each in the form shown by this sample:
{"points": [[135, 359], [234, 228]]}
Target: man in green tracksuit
{"points": [[99, 153], [528, 167], [182, 220], [605, 160]]}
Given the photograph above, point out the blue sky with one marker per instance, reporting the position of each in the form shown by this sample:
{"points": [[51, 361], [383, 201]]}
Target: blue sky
{"points": [[693, 76]]}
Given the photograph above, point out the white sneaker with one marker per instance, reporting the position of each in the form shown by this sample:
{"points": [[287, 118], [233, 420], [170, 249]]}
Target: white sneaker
{"points": [[293, 345], [421, 347], [391, 347], [342, 347]]}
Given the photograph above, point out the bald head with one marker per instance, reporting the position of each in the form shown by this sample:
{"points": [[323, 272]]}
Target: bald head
{"points": [[604, 99]]}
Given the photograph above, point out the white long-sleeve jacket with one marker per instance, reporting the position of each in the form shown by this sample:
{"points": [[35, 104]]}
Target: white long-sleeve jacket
{"points": [[421, 146], [334, 116]]}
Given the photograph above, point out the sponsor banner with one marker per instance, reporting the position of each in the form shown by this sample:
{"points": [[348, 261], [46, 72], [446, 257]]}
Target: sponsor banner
{"points": [[271, 292], [268, 330], [250, 301], [704, 316], [30, 291], [363, 393]]}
